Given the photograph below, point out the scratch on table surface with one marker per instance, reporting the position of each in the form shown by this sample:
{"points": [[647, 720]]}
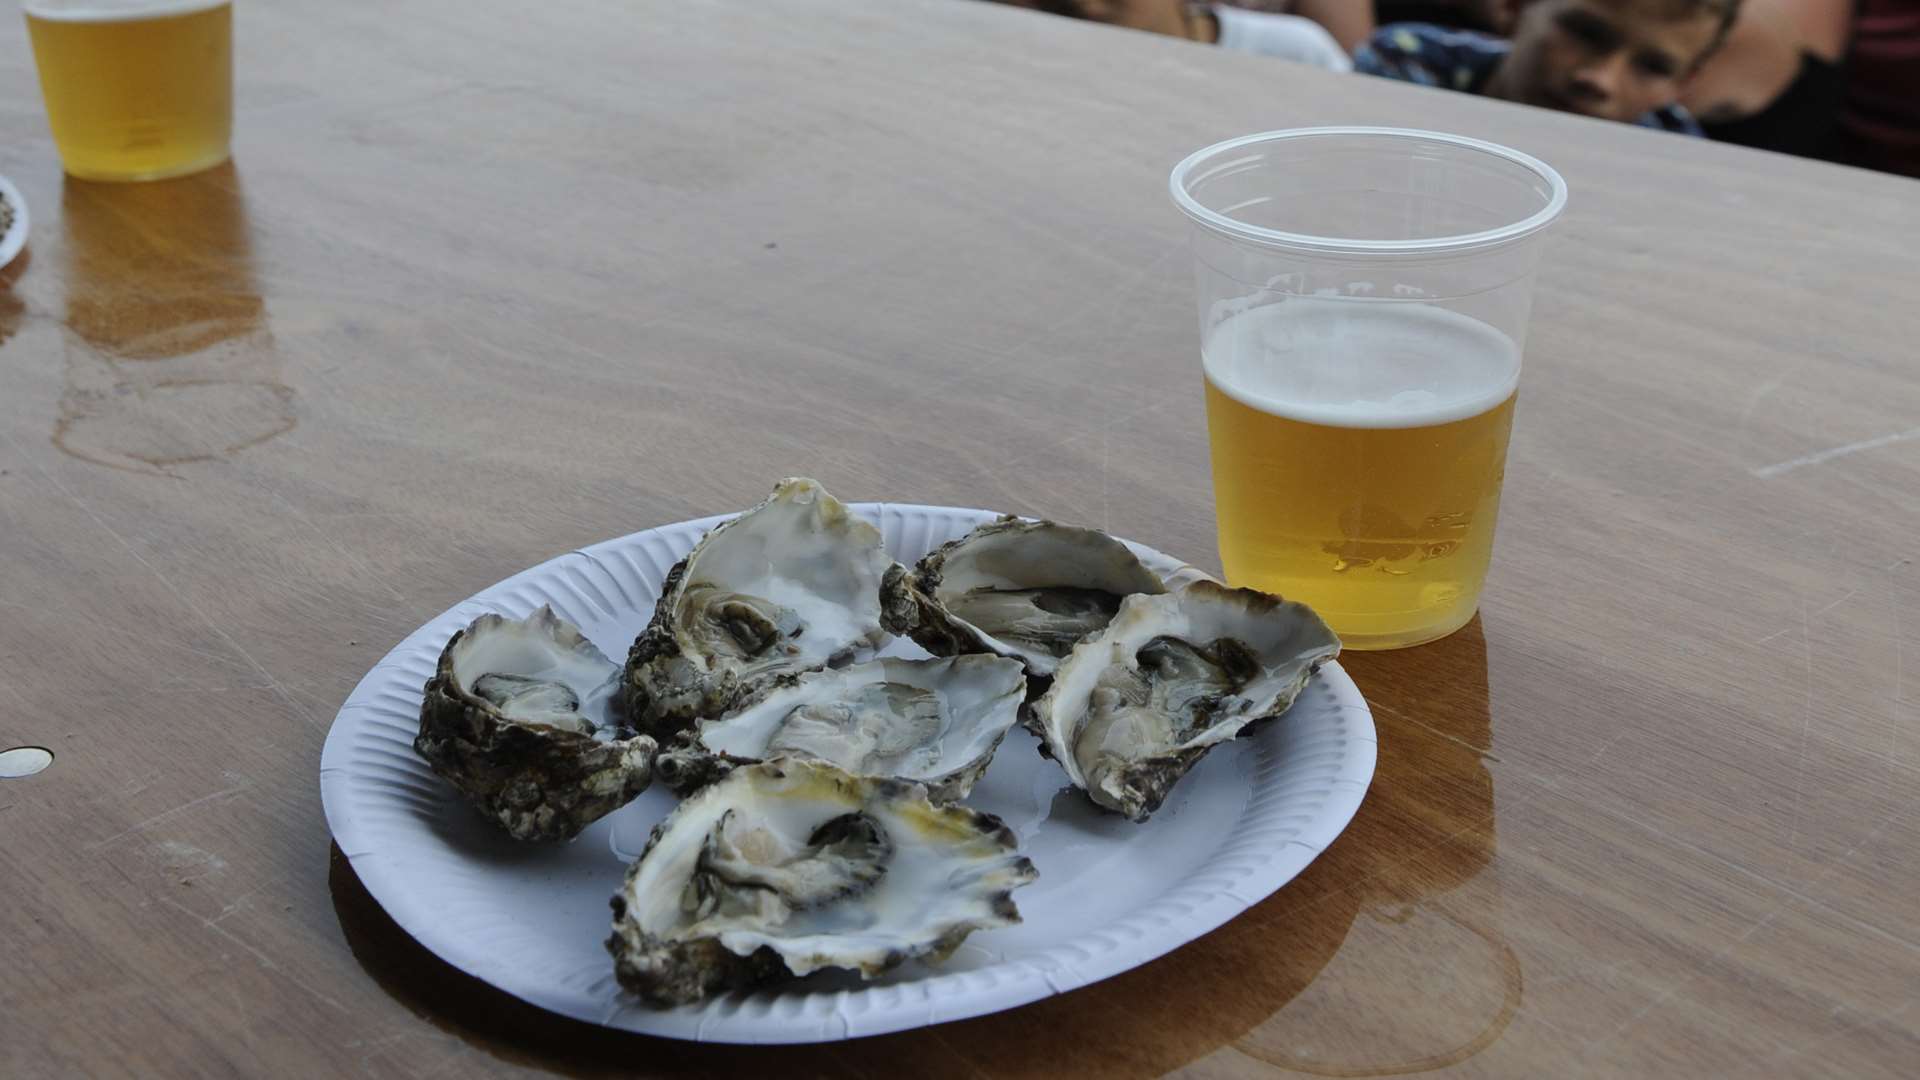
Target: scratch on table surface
{"points": [[182, 855], [266, 962], [240, 901], [374, 1049], [357, 563], [228, 909], [1851, 593], [1760, 392], [125, 633], [1485, 753], [1683, 982], [1788, 1053], [363, 1044], [1802, 894], [243, 1017], [214, 925], [1104, 429], [1618, 734], [461, 1052], [1806, 726], [1853, 849], [1753, 929], [1821, 457], [1583, 973], [167, 583], [167, 815]]}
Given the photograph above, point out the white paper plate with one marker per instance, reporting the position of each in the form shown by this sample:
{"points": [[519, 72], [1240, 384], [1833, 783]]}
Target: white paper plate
{"points": [[15, 236], [1111, 895]]}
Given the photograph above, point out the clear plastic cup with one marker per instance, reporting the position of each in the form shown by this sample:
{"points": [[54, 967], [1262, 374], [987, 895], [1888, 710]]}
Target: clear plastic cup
{"points": [[1363, 297], [135, 89]]}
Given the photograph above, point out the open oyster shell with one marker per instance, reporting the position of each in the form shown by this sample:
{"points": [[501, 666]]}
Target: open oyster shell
{"points": [[933, 722], [1171, 677], [521, 717], [790, 585], [791, 866], [1028, 590]]}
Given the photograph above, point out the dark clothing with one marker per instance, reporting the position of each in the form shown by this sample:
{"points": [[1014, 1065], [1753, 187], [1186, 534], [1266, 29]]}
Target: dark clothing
{"points": [[1879, 123], [1799, 121], [1454, 13]]}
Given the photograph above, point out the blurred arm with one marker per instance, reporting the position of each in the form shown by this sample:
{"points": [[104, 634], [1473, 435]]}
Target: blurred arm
{"points": [[1349, 21]]}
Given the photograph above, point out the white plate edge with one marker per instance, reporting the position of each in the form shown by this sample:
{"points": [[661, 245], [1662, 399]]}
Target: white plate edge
{"points": [[15, 238]]}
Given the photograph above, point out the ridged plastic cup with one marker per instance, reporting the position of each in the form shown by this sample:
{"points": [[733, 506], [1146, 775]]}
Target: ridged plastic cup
{"points": [[1363, 298]]}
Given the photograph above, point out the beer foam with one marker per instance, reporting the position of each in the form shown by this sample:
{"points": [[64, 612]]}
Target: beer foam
{"points": [[1361, 363], [114, 10]]}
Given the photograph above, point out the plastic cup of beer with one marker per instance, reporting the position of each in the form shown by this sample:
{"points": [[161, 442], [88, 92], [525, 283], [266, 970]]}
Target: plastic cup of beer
{"points": [[135, 89], [1363, 297]]}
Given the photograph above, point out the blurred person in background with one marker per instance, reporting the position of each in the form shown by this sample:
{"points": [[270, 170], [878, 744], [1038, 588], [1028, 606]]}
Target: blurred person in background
{"points": [[1831, 79], [1879, 123], [1838, 79], [1777, 82], [1625, 60], [1289, 37]]}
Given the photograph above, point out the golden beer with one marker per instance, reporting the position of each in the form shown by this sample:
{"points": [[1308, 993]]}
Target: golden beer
{"points": [[135, 90], [1358, 450]]}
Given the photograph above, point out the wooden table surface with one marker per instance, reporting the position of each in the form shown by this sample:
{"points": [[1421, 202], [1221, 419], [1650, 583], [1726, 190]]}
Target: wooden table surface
{"points": [[486, 283]]}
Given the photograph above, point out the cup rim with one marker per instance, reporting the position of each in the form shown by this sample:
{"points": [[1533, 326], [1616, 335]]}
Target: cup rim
{"points": [[153, 9], [1307, 242]]}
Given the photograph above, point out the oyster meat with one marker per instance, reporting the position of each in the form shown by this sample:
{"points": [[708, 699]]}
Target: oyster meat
{"points": [[934, 722], [1136, 705], [790, 585], [1029, 590], [791, 866], [521, 717]]}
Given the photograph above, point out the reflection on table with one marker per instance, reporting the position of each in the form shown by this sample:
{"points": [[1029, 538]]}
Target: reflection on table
{"points": [[170, 358]]}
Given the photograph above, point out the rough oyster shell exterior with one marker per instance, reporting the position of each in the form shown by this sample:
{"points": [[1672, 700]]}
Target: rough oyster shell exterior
{"points": [[539, 781]]}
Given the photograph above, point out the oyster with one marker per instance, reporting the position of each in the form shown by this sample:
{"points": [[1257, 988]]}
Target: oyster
{"points": [[1024, 589], [934, 722], [790, 866], [1136, 705], [521, 717], [790, 585]]}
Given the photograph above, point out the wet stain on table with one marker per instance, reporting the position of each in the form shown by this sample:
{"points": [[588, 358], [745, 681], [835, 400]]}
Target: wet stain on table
{"points": [[170, 358]]}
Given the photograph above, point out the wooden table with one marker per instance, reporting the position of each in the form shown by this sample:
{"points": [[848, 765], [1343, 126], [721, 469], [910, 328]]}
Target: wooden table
{"points": [[488, 282]]}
